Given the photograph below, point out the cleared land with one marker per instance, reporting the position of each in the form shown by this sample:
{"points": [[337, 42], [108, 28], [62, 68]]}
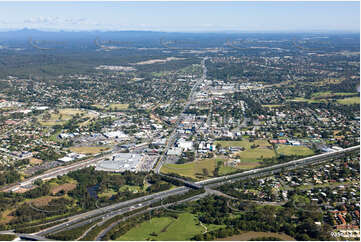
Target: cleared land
{"points": [[252, 235], [294, 150], [87, 149], [166, 229]]}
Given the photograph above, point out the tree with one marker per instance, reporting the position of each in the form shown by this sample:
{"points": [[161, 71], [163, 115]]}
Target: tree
{"points": [[205, 172]]}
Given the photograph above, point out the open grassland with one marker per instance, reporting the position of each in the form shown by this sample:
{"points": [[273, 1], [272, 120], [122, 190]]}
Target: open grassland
{"points": [[349, 100], [41, 201], [35, 161], [65, 187], [246, 236], [108, 193], [191, 169], [264, 150], [62, 116], [112, 106], [294, 150], [301, 99], [88, 149], [332, 94], [167, 229], [272, 105]]}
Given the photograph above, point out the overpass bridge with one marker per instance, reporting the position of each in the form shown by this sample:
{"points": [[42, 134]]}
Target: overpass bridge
{"points": [[184, 182]]}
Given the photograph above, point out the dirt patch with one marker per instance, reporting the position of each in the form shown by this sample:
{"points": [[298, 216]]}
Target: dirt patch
{"points": [[41, 201], [246, 236], [66, 187], [35, 161], [5, 217]]}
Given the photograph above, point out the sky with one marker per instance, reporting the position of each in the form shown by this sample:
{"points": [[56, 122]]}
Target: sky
{"points": [[182, 16]]}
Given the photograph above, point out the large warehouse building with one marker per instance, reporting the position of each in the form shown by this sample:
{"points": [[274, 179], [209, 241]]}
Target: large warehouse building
{"points": [[121, 162]]}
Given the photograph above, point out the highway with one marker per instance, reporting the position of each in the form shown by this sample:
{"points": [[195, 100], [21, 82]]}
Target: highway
{"points": [[58, 171], [110, 211], [173, 135]]}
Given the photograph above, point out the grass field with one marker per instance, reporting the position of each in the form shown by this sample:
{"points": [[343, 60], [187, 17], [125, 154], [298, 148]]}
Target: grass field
{"points": [[117, 106], [191, 169], [349, 100], [294, 150], [331, 94], [107, 193], [183, 228], [301, 99], [272, 105], [87, 149], [63, 116], [250, 155]]}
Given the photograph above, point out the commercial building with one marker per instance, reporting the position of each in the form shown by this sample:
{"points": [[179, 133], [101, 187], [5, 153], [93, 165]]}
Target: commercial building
{"points": [[121, 162]]}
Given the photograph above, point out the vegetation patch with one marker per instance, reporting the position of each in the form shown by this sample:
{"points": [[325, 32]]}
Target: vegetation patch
{"points": [[288, 150], [64, 187], [183, 228], [254, 235], [88, 149], [349, 101], [7, 237], [194, 169]]}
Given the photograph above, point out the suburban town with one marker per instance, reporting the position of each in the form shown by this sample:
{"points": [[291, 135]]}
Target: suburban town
{"points": [[148, 135]]}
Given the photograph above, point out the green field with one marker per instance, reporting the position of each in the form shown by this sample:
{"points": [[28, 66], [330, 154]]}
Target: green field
{"points": [[88, 149], [117, 106], [349, 100], [191, 169], [301, 99], [63, 116], [249, 155], [272, 105], [166, 228], [294, 150], [331, 94]]}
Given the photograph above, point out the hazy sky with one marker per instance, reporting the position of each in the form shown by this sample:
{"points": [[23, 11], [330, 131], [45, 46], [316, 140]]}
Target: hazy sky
{"points": [[182, 16]]}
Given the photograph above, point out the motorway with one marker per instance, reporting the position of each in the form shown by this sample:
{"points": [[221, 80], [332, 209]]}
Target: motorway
{"points": [[173, 135], [108, 212], [58, 171]]}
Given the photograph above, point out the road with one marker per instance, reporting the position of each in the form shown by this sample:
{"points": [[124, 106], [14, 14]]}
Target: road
{"points": [[110, 211], [58, 171], [173, 135]]}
